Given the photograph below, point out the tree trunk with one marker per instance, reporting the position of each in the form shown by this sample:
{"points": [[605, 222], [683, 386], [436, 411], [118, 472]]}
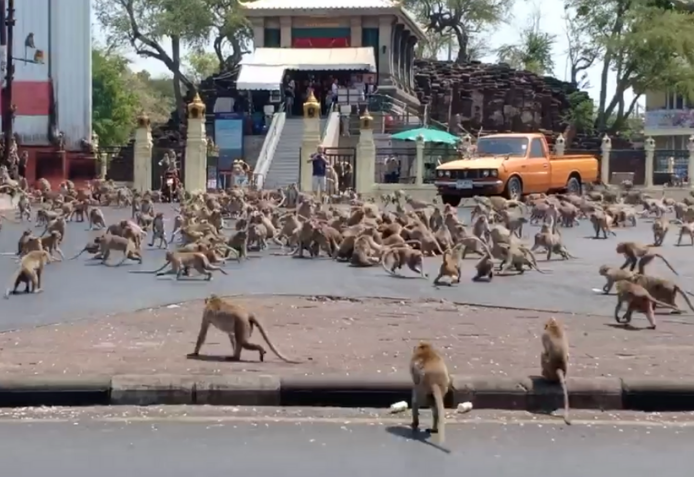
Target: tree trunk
{"points": [[463, 40]]}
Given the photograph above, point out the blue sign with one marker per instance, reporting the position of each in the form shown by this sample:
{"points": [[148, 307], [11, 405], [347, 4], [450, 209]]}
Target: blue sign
{"points": [[228, 136]]}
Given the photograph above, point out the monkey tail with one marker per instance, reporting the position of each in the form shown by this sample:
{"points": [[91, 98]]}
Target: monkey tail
{"points": [[151, 271], [562, 381], [686, 298], [254, 322], [83, 250], [14, 280], [667, 263], [384, 260], [441, 411]]}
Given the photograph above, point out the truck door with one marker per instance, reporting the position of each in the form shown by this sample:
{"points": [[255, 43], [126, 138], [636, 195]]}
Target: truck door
{"points": [[537, 168]]}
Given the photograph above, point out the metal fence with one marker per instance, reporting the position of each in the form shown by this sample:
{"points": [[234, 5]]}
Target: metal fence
{"points": [[121, 162], [395, 165], [670, 165], [159, 168], [627, 164], [343, 160]]}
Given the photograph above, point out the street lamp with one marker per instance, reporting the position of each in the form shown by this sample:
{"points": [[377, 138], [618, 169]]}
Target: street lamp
{"points": [[8, 108]]}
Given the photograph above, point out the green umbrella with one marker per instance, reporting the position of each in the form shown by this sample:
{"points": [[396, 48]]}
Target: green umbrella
{"points": [[429, 135]]}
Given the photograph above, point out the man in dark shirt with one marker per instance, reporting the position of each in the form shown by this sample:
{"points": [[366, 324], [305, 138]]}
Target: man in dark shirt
{"points": [[319, 164]]}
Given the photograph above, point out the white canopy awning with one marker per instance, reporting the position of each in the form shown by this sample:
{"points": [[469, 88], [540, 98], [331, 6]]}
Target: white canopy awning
{"points": [[313, 59], [260, 77]]}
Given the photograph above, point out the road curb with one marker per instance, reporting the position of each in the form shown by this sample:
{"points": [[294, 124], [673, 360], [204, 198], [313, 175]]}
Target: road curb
{"points": [[492, 392]]}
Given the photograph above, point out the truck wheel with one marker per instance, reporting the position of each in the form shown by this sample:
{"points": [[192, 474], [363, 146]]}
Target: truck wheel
{"points": [[573, 186], [451, 200], [514, 189]]}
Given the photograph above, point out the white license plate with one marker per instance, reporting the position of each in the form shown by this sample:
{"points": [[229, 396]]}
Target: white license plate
{"points": [[463, 185], [169, 181]]}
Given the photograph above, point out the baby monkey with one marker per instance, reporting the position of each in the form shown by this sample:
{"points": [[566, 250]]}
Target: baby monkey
{"points": [[430, 378], [555, 358]]}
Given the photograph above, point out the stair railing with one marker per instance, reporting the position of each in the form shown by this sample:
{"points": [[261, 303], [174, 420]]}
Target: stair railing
{"points": [[267, 153]]}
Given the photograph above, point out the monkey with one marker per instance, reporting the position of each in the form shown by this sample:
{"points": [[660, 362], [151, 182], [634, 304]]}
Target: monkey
{"points": [[51, 244], [144, 220], [57, 224], [485, 269], [30, 270], [551, 242], [686, 229], [26, 235], [402, 256], [108, 242], [450, 265], [96, 218], [518, 257], [236, 322], [43, 217], [636, 252], [430, 378], [182, 262], [638, 299], [660, 229], [239, 242], [602, 222], [158, 231], [92, 248], [554, 359], [613, 275], [663, 290]]}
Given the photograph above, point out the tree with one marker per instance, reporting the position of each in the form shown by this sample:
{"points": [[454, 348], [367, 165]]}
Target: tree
{"points": [[115, 105], [461, 18], [581, 52], [231, 31], [200, 65], [534, 51], [145, 25], [646, 44]]}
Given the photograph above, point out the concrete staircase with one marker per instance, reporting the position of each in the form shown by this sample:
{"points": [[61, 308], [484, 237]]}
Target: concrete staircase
{"points": [[284, 169]]}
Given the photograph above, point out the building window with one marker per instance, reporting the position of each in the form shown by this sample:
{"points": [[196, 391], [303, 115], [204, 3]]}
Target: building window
{"points": [[272, 38], [677, 101]]}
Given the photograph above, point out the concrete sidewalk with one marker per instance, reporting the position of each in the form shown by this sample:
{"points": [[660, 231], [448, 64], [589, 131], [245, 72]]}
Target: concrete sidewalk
{"points": [[352, 353]]}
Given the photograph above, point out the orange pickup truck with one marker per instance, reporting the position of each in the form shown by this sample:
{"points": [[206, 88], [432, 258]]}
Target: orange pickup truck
{"points": [[513, 165]]}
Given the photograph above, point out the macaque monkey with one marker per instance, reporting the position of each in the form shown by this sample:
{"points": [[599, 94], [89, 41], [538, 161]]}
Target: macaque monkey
{"points": [[30, 270], [663, 290], [96, 219], [158, 231], [602, 222], [107, 243], [236, 322], [554, 359], [51, 244], [403, 256], [613, 275], [660, 229], [182, 262], [485, 269], [55, 225], [430, 379], [92, 248], [635, 252], [450, 265], [638, 299]]}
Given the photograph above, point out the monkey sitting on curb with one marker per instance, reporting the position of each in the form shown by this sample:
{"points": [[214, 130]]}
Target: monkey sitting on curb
{"points": [[554, 359], [236, 322]]}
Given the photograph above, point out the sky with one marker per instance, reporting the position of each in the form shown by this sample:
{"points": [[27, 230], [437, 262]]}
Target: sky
{"points": [[551, 22]]}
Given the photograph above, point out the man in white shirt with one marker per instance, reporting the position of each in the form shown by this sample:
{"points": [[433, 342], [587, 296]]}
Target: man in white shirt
{"points": [[333, 90]]}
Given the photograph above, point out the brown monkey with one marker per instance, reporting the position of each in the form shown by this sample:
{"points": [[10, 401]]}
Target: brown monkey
{"points": [[158, 231], [51, 244], [430, 378], [554, 359], [402, 256], [26, 235], [634, 252], [239, 242], [602, 222], [236, 322], [92, 248], [450, 265], [57, 225], [638, 299], [182, 262], [663, 290], [96, 219], [660, 228], [613, 275], [30, 270], [108, 242], [686, 229], [485, 269]]}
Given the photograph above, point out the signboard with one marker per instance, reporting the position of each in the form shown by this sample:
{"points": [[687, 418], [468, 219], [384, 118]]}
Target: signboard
{"points": [[228, 136], [211, 177], [664, 119]]}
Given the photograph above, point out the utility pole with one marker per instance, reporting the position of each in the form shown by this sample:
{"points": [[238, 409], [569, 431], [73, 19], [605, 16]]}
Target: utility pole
{"points": [[7, 113]]}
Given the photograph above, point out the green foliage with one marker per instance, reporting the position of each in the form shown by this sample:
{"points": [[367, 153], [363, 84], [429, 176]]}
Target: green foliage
{"points": [[533, 52], [581, 112], [201, 65], [115, 106]]}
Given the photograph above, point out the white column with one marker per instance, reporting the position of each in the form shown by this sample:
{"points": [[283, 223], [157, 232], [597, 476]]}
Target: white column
{"points": [[690, 168], [605, 162], [196, 148], [419, 160], [385, 33], [355, 40], [142, 155], [310, 141], [649, 146], [286, 32], [366, 155], [559, 145]]}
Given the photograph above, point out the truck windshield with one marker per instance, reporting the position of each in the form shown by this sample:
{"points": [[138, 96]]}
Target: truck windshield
{"points": [[492, 146]]}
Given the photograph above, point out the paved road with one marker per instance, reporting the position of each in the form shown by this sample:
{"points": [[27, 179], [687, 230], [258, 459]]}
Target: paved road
{"points": [[267, 445], [76, 290]]}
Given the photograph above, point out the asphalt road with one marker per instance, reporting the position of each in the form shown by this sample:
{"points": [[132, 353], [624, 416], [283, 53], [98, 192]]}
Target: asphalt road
{"points": [[261, 444], [79, 289]]}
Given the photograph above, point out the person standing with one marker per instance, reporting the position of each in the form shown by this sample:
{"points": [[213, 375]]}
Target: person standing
{"points": [[319, 163]]}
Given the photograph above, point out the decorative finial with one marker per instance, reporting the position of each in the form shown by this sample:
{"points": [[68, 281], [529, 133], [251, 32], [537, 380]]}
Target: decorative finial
{"points": [[143, 120], [311, 106], [196, 109], [560, 139]]}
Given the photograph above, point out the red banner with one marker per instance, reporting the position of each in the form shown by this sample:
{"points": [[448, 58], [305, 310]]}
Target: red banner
{"points": [[320, 43]]}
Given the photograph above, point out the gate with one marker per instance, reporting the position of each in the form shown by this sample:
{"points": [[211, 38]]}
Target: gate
{"points": [[121, 162], [158, 168], [661, 171], [343, 160]]}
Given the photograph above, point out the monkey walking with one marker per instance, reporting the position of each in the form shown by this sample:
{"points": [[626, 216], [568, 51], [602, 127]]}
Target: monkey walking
{"points": [[404, 256], [638, 299], [158, 231], [430, 378], [485, 269], [554, 359], [613, 275], [29, 272], [637, 253], [182, 262], [236, 322]]}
